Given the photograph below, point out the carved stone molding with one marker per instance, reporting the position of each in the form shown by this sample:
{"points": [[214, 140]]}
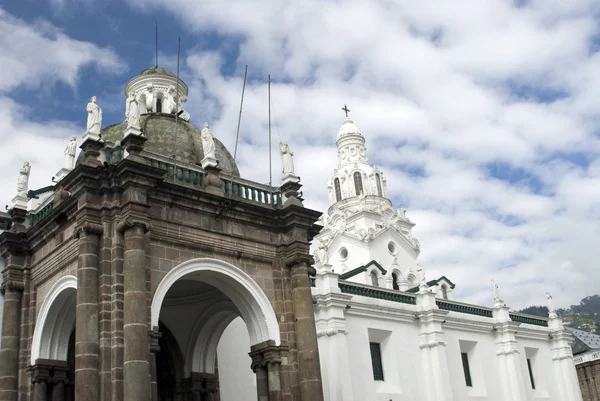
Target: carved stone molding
{"points": [[267, 355], [298, 258], [128, 223], [88, 228], [14, 285]]}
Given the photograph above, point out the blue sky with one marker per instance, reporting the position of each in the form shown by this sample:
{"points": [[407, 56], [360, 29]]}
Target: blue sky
{"points": [[484, 116]]}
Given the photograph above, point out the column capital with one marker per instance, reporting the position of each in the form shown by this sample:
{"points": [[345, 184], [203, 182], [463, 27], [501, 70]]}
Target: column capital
{"points": [[267, 354], [88, 228], [131, 222], [299, 258], [40, 372], [153, 338]]}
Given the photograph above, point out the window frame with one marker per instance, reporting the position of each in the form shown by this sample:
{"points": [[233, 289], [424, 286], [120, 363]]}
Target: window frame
{"points": [[358, 183], [338, 189], [464, 356], [378, 183], [376, 361], [530, 369]]}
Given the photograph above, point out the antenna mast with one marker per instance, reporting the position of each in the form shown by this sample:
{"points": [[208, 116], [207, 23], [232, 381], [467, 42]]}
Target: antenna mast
{"points": [[176, 113], [237, 135], [156, 44], [270, 169]]}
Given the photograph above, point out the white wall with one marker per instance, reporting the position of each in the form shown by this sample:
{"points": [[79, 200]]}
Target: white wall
{"points": [[236, 379]]}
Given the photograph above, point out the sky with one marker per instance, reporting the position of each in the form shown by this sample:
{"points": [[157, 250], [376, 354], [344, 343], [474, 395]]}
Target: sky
{"points": [[484, 115]]}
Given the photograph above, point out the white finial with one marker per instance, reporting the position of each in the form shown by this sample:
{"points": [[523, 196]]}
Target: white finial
{"points": [[23, 181], [94, 121], [132, 112], [421, 277], [70, 153]]}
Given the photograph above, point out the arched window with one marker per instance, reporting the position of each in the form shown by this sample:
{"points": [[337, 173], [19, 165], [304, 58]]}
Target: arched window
{"points": [[395, 281], [378, 182], [338, 191], [358, 183], [444, 292], [159, 105], [374, 280]]}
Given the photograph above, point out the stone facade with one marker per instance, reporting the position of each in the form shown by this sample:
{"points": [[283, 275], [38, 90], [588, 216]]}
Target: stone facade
{"points": [[123, 229], [588, 373]]}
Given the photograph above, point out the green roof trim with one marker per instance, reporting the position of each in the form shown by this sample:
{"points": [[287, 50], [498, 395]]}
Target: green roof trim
{"points": [[431, 283], [528, 319], [463, 308], [377, 293], [33, 193], [361, 269]]}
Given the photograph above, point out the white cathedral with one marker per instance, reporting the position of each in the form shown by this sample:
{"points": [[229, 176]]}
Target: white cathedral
{"points": [[242, 321]]}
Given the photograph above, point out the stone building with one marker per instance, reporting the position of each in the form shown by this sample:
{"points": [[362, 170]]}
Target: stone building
{"points": [[120, 279], [152, 271], [586, 349]]}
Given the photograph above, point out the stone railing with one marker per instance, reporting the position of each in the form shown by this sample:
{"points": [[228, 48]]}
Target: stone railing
{"points": [[177, 173], [522, 318], [587, 357], [265, 194], [459, 307], [41, 214], [377, 293]]}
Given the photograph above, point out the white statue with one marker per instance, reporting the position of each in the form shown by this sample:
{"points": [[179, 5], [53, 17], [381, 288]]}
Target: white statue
{"points": [[550, 304], [94, 121], [23, 182], [208, 142], [495, 289], [321, 257], [402, 213], [70, 153], [421, 276], [132, 111], [287, 160], [169, 101]]}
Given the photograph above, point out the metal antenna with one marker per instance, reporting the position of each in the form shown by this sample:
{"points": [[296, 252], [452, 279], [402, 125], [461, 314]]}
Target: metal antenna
{"points": [[176, 113], [237, 135], [270, 169], [156, 44]]}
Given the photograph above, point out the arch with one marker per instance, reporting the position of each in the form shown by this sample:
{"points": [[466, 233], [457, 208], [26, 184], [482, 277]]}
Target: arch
{"points": [[378, 183], [249, 299], [205, 335], [55, 322], [374, 278], [358, 185], [444, 291], [338, 190], [159, 101]]}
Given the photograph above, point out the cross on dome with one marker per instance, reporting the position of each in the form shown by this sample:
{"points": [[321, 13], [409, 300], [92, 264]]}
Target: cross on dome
{"points": [[346, 110]]}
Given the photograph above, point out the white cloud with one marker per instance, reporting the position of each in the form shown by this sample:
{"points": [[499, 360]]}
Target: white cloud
{"points": [[39, 53]]}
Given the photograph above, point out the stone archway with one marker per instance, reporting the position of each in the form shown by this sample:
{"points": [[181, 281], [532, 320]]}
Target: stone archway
{"points": [[211, 293], [52, 346]]}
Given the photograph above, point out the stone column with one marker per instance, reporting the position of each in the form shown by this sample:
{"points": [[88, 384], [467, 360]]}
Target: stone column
{"points": [[136, 369], [87, 346], [511, 371], [154, 336], [11, 321], [59, 378], [309, 365], [40, 376], [262, 383], [266, 363], [433, 347]]}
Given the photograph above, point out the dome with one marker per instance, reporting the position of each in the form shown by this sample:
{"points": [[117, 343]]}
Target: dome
{"points": [[348, 128], [160, 128], [158, 71]]}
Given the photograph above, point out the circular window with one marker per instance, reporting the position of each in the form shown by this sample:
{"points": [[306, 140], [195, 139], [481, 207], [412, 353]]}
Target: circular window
{"points": [[392, 247], [343, 253]]}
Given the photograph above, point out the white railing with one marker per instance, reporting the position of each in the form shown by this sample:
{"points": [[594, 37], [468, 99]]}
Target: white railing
{"points": [[592, 356]]}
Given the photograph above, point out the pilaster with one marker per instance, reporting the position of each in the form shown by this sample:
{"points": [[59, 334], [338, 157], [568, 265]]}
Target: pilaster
{"points": [[12, 248], [267, 359], [91, 150], [309, 365], [136, 369], [510, 364], [433, 347], [565, 373], [87, 345], [332, 336]]}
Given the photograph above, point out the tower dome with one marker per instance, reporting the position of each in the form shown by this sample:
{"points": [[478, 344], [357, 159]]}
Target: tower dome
{"points": [[348, 128]]}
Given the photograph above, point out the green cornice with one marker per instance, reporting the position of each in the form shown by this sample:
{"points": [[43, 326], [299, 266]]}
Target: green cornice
{"points": [[361, 269], [377, 293], [33, 193], [431, 283]]}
